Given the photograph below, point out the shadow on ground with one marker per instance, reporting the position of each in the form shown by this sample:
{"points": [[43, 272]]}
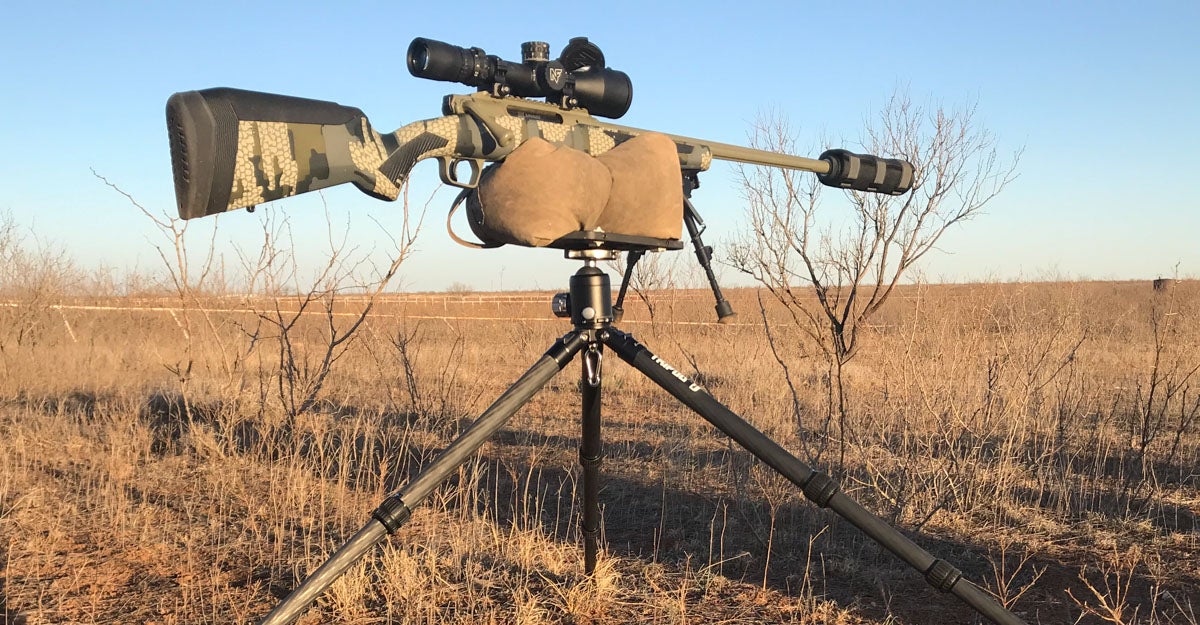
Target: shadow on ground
{"points": [[7, 617], [652, 513]]}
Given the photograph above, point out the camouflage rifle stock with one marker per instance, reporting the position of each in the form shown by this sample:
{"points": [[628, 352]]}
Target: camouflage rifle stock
{"points": [[235, 149]]}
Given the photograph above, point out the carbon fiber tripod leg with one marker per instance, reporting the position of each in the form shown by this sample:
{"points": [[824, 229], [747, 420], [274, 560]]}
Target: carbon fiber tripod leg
{"points": [[396, 509], [818, 487], [590, 456]]}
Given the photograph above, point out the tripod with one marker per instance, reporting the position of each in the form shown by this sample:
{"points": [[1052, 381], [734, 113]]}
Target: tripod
{"points": [[589, 305]]}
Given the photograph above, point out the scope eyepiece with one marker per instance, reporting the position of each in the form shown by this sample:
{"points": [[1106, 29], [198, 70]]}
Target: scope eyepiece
{"points": [[436, 60], [577, 78]]}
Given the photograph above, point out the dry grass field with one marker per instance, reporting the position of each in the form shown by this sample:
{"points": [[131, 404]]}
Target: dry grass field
{"points": [[186, 460]]}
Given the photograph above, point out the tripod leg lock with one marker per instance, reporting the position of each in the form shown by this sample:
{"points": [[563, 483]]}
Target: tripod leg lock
{"points": [[590, 461], [392, 513], [942, 575], [820, 489]]}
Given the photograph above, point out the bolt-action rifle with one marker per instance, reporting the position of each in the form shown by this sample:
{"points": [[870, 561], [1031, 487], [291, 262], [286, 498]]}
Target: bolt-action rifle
{"points": [[235, 149]]}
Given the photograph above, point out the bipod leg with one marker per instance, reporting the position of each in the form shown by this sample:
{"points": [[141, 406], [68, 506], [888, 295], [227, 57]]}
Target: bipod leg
{"points": [[703, 252], [631, 261], [695, 227], [817, 487], [396, 509], [590, 454]]}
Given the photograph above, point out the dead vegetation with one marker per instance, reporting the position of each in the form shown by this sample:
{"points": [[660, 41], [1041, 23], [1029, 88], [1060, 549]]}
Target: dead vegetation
{"points": [[182, 466]]}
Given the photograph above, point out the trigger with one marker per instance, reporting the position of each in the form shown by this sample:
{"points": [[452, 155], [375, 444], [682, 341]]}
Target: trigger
{"points": [[449, 171]]}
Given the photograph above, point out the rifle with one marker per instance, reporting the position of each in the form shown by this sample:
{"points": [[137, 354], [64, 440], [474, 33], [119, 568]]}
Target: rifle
{"points": [[235, 149]]}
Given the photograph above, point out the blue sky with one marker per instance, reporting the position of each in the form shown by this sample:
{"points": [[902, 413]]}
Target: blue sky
{"points": [[1103, 97]]}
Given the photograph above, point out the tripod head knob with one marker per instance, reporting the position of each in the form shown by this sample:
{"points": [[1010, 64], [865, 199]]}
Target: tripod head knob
{"points": [[561, 305]]}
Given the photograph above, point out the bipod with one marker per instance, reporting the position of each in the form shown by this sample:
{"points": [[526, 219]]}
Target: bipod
{"points": [[589, 305], [695, 227]]}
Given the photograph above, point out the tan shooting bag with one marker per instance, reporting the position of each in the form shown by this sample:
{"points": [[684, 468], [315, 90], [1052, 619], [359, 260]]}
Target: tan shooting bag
{"points": [[543, 191]]}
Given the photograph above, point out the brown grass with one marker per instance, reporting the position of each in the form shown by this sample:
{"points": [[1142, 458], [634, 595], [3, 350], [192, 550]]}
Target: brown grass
{"points": [[1043, 437]]}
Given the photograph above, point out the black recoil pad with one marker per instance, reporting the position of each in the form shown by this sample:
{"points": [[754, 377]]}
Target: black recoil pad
{"points": [[864, 172], [203, 132]]}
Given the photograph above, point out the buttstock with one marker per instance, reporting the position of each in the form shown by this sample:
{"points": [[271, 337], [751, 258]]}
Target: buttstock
{"points": [[234, 149]]}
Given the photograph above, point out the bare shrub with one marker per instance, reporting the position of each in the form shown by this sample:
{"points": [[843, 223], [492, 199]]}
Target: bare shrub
{"points": [[832, 274], [305, 361], [34, 278]]}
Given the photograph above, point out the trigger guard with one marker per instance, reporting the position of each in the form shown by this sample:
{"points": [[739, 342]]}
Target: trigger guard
{"points": [[448, 168]]}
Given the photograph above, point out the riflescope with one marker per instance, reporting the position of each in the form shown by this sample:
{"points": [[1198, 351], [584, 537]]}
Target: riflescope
{"points": [[576, 79]]}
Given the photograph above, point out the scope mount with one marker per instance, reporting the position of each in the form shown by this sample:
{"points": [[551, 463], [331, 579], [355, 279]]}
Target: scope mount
{"points": [[550, 75], [553, 76]]}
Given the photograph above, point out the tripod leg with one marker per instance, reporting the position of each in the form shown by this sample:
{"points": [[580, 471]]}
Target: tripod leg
{"points": [[590, 455], [818, 487], [396, 509]]}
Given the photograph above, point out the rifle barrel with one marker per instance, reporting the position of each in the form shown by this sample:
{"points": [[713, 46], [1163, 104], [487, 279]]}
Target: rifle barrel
{"points": [[835, 168], [737, 153]]}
